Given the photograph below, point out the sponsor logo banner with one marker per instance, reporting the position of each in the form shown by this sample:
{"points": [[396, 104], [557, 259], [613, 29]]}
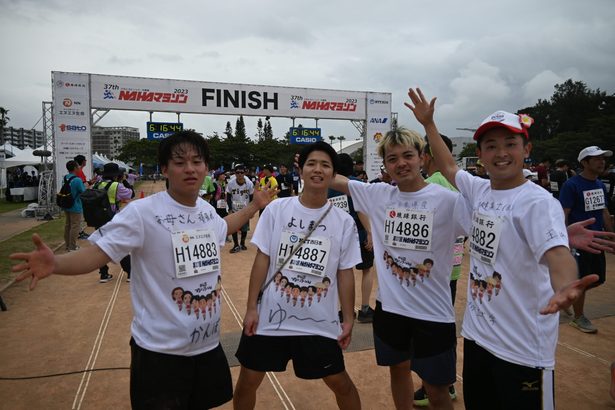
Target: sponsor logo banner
{"points": [[149, 94]]}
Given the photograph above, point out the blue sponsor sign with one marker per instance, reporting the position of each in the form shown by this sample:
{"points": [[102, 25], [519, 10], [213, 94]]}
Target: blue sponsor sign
{"points": [[302, 135]]}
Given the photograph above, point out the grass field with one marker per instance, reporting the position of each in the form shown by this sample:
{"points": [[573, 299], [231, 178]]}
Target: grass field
{"points": [[6, 206], [52, 233]]}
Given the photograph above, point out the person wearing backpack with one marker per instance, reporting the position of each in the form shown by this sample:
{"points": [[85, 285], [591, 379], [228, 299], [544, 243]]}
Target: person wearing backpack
{"points": [[74, 212], [116, 192]]}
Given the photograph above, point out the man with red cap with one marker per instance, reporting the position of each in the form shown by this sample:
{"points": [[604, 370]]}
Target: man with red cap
{"points": [[519, 253]]}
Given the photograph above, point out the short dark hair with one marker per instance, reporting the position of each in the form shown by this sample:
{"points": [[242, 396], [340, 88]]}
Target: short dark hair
{"points": [[173, 144], [71, 165], [346, 164], [319, 146], [79, 159], [447, 141]]}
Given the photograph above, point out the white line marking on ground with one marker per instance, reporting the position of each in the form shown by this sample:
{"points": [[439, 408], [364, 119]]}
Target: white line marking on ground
{"points": [[275, 383], [85, 379]]}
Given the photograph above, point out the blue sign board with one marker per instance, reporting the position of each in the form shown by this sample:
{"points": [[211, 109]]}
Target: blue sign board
{"points": [[161, 130], [302, 135]]}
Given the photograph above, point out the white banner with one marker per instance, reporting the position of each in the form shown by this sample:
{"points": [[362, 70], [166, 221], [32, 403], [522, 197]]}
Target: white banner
{"points": [[378, 124], [71, 121], [149, 94]]}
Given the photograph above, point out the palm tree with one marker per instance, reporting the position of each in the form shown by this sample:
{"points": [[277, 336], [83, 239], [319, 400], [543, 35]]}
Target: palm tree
{"points": [[4, 119], [332, 138], [341, 138]]}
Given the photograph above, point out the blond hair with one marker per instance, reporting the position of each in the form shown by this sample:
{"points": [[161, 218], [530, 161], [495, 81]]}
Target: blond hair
{"points": [[401, 136]]}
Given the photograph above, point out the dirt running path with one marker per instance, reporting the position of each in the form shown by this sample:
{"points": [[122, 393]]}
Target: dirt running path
{"points": [[75, 323]]}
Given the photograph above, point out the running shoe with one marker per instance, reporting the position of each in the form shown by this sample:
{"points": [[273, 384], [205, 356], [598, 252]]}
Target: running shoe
{"points": [[105, 278], [367, 316], [583, 324], [235, 249]]}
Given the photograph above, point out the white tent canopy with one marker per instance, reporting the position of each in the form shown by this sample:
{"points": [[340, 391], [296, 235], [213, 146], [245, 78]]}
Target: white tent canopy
{"points": [[23, 157]]}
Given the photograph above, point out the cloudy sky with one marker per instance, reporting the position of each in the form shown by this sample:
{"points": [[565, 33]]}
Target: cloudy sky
{"points": [[475, 56]]}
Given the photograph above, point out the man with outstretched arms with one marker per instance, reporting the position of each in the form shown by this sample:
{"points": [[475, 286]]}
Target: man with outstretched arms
{"points": [[297, 316], [521, 269], [174, 238], [414, 225]]}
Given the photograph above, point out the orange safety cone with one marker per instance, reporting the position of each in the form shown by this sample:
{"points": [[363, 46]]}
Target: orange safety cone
{"points": [[141, 196]]}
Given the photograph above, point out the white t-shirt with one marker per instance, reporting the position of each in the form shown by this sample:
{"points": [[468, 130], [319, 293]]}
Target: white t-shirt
{"points": [[303, 300], [172, 315], [240, 194], [429, 220], [506, 295]]}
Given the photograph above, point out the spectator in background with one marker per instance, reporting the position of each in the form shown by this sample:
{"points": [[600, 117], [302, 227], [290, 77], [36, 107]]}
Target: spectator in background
{"points": [[74, 214], [584, 196], [285, 182], [543, 169], [558, 176]]}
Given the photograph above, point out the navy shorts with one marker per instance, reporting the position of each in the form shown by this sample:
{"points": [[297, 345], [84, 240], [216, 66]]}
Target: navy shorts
{"points": [[430, 346], [592, 263], [314, 357]]}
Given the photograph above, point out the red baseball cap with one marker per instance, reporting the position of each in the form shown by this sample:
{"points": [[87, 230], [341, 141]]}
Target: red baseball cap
{"points": [[517, 123]]}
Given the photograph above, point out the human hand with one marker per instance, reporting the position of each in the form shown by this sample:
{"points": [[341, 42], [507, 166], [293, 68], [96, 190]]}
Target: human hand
{"points": [[250, 322], [565, 296], [37, 264], [590, 241], [263, 196], [423, 110], [343, 340]]}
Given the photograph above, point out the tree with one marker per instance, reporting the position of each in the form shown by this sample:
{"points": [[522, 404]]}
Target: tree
{"points": [[240, 129], [140, 152], [268, 133], [332, 138], [341, 138], [259, 130], [468, 150], [4, 119], [229, 130], [570, 108]]}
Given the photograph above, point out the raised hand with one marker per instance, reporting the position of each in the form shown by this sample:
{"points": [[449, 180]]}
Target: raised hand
{"points": [[590, 241], [423, 110]]}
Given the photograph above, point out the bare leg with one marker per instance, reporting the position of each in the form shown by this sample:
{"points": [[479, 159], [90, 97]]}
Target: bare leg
{"points": [[346, 393], [367, 282], [245, 390], [438, 396], [578, 306], [401, 385]]}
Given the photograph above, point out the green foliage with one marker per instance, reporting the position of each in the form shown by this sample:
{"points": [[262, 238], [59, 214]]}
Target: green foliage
{"points": [[4, 119], [469, 150], [575, 117], [240, 129], [140, 151]]}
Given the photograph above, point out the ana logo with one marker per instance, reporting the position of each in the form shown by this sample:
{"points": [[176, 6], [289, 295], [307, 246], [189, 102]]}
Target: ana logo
{"points": [[382, 120], [67, 102], [69, 128], [498, 116], [377, 136], [392, 214]]}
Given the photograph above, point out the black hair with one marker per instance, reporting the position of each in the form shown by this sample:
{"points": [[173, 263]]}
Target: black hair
{"points": [[346, 164], [79, 159], [178, 142], [319, 146], [447, 141], [71, 165]]}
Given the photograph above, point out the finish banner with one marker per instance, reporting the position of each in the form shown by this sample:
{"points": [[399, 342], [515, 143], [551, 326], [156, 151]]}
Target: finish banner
{"points": [[150, 94]]}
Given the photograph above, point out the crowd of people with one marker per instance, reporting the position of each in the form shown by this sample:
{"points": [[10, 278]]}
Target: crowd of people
{"points": [[323, 219]]}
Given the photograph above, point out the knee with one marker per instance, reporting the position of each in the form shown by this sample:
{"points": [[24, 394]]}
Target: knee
{"points": [[340, 383]]}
